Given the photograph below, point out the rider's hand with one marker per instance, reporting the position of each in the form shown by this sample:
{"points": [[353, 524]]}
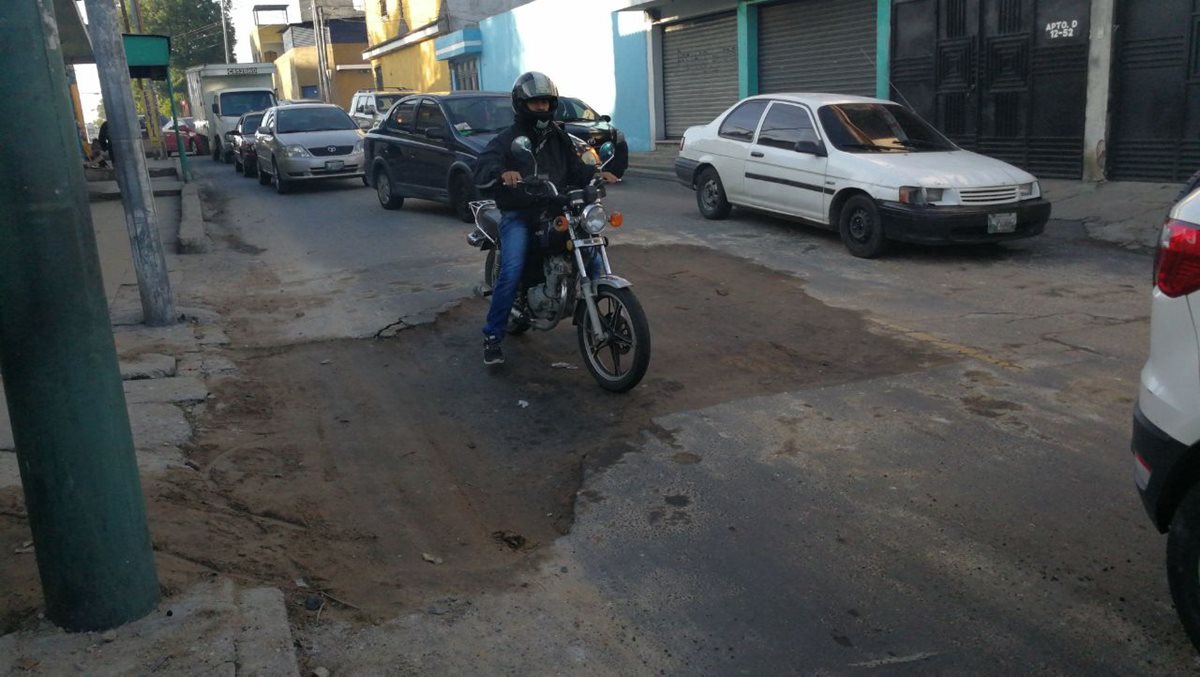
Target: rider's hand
{"points": [[609, 177], [511, 178]]}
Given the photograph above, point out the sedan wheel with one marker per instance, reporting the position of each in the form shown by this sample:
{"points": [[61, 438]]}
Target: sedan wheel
{"points": [[461, 193], [383, 191], [861, 229], [282, 186], [710, 195]]}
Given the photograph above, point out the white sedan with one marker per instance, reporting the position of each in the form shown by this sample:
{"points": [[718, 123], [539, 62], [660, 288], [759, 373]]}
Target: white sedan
{"points": [[869, 168]]}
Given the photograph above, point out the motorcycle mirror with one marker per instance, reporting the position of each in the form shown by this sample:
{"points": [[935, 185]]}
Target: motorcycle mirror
{"points": [[607, 150], [521, 145], [522, 150]]}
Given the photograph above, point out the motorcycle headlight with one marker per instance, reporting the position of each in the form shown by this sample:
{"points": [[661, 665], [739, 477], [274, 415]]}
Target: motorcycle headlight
{"points": [[595, 218], [297, 151]]}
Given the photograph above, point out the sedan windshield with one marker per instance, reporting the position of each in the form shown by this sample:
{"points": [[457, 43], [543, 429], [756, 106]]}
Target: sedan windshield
{"points": [[879, 128], [315, 119], [479, 115], [574, 110], [384, 101], [251, 122], [234, 104]]}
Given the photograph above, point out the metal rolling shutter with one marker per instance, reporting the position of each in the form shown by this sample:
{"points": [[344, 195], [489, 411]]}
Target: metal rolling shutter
{"points": [[699, 71], [817, 46]]}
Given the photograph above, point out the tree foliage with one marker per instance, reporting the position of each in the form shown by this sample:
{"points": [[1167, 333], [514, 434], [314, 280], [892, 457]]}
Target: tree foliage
{"points": [[194, 27]]}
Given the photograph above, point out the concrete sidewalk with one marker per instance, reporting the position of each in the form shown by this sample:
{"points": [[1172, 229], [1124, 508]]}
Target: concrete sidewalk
{"points": [[1126, 213], [213, 628]]}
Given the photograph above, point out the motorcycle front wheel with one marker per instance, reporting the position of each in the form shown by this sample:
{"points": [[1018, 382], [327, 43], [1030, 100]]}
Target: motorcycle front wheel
{"points": [[618, 361]]}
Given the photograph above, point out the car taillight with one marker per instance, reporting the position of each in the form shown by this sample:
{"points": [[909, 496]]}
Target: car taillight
{"points": [[1177, 262]]}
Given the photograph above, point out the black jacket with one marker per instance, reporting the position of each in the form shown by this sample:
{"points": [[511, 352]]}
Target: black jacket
{"points": [[556, 160]]}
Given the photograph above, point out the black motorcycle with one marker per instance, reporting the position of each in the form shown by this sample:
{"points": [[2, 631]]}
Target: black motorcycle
{"points": [[614, 336]]}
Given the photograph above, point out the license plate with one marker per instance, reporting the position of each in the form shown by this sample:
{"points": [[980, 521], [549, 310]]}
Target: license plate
{"points": [[1002, 223], [332, 165]]}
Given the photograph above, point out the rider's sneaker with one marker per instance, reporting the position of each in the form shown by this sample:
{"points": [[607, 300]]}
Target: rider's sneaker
{"points": [[491, 351]]}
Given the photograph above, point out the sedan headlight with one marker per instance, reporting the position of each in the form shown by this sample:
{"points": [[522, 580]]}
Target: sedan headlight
{"points": [[358, 147], [595, 218], [915, 195], [1030, 190], [296, 151]]}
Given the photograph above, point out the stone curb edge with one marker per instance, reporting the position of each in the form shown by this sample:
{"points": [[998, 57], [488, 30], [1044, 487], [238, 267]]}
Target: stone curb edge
{"points": [[192, 238]]}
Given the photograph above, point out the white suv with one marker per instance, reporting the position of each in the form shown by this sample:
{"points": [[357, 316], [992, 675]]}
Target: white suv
{"points": [[1166, 422]]}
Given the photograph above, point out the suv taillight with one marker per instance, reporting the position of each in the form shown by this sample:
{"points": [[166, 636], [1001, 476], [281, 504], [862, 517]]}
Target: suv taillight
{"points": [[1177, 262]]}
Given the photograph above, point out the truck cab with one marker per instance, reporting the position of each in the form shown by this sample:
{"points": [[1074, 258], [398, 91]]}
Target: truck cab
{"points": [[225, 107], [221, 93]]}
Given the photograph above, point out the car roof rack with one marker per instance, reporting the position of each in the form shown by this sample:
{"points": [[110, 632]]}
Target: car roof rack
{"points": [[383, 89]]}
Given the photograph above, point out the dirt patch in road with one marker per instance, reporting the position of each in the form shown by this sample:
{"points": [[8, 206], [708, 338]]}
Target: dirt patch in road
{"points": [[372, 477]]}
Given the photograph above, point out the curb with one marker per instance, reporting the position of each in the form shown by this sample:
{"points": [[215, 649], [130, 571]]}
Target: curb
{"points": [[652, 173], [115, 195], [192, 238]]}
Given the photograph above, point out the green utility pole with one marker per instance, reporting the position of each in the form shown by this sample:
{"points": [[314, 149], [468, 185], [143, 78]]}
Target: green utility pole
{"points": [[57, 357]]}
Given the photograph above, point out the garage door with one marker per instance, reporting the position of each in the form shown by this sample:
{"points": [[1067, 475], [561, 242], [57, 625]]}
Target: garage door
{"points": [[817, 46], [1156, 116], [700, 79]]}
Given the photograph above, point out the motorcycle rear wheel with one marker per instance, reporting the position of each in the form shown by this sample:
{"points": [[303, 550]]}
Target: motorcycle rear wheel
{"points": [[619, 361]]}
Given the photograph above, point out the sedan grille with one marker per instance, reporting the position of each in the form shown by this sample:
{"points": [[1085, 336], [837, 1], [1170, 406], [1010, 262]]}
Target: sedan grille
{"points": [[988, 196], [331, 150]]}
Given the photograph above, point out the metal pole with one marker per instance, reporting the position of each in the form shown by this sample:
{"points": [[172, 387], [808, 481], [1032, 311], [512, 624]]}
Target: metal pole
{"points": [[141, 216], [224, 30], [57, 356], [181, 147]]}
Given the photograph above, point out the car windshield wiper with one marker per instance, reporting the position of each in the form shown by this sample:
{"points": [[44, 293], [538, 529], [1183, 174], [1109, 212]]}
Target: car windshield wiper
{"points": [[866, 146], [576, 120], [910, 143]]}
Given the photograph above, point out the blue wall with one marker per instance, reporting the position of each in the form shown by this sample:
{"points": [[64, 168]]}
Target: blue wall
{"points": [[604, 65]]}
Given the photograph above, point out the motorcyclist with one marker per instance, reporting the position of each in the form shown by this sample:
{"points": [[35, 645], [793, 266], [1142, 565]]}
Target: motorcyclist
{"points": [[534, 101]]}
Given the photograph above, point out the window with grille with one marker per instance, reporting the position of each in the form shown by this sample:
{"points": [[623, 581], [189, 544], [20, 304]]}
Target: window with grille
{"points": [[466, 73]]}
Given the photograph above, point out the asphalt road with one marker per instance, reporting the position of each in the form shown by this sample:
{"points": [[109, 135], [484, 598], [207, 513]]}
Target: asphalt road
{"points": [[961, 502]]}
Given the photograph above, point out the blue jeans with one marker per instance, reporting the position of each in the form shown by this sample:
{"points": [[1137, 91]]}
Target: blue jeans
{"points": [[514, 248]]}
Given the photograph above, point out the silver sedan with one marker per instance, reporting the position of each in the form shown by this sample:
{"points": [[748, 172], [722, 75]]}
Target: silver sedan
{"points": [[299, 142]]}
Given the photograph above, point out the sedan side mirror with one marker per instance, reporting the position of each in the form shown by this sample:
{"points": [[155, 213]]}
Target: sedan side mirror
{"points": [[606, 118], [811, 148], [229, 135], [436, 133]]}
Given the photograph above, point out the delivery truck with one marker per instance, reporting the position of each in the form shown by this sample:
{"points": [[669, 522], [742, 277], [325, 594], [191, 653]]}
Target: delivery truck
{"points": [[220, 93]]}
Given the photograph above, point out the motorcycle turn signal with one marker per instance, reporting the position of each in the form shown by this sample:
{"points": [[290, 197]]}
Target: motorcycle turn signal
{"points": [[561, 224], [616, 219]]}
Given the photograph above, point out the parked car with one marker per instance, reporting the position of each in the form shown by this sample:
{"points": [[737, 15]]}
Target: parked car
{"points": [[1166, 419], [369, 106], [241, 142], [427, 145], [188, 138], [305, 142], [581, 120], [870, 168]]}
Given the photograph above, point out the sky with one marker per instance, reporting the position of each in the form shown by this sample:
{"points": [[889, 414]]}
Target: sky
{"points": [[243, 21]]}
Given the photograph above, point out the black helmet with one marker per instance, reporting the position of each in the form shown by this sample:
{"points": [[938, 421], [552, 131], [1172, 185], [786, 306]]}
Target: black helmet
{"points": [[534, 85]]}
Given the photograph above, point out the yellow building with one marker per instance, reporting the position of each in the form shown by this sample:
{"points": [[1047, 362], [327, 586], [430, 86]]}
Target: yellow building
{"points": [[296, 70], [400, 34], [266, 38]]}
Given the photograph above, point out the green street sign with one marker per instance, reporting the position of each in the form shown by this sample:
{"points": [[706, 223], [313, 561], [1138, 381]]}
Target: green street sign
{"points": [[148, 55]]}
